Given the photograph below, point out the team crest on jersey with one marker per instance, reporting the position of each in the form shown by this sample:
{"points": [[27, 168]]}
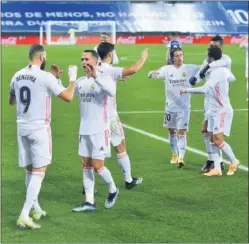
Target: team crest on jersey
{"points": [[92, 86], [184, 74]]}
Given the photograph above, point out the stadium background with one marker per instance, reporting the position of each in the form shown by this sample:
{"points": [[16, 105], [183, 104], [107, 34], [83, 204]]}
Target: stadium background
{"points": [[171, 205]]}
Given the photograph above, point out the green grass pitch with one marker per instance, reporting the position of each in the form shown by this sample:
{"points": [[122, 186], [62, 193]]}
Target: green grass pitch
{"points": [[171, 205]]}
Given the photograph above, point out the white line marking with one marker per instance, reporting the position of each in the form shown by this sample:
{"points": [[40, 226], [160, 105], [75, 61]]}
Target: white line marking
{"points": [[159, 138], [162, 112]]}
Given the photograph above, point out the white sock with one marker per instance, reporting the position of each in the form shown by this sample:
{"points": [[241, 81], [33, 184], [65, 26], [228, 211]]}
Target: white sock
{"points": [[88, 182], [33, 191], [225, 147], [216, 156], [173, 143], [182, 145], [208, 146], [105, 174], [36, 204], [125, 164]]}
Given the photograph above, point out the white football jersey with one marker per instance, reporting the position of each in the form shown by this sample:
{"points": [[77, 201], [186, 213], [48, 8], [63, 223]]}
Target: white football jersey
{"points": [[175, 79], [93, 104], [225, 61], [218, 90], [115, 56], [33, 89], [115, 73]]}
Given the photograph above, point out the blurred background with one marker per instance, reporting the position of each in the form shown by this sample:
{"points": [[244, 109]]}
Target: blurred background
{"points": [[138, 22]]}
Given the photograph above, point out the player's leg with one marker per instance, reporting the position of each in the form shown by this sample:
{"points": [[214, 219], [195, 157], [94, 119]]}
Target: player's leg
{"points": [[182, 146], [182, 123], [37, 149], [99, 144], [118, 142], [84, 151], [88, 177], [216, 170], [170, 123], [223, 123], [173, 144], [209, 164]]}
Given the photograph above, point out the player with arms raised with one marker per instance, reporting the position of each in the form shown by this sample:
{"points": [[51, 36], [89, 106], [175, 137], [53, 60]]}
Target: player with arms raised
{"points": [[221, 112], [177, 107], [93, 91], [31, 90], [105, 52]]}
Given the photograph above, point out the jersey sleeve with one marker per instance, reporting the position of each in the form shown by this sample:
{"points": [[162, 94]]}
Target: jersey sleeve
{"points": [[12, 88], [54, 85], [76, 88], [116, 72], [106, 83]]}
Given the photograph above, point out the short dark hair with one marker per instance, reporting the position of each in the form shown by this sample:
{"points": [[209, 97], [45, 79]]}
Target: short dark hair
{"points": [[104, 33], [93, 52], [214, 52], [217, 38], [104, 49], [172, 52], [34, 49]]}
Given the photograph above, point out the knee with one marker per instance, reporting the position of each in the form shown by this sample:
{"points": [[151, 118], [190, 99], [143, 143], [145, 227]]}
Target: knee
{"points": [[182, 132], [217, 141], [120, 148], [172, 132]]}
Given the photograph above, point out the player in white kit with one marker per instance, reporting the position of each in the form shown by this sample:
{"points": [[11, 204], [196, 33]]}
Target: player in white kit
{"points": [[221, 112], [31, 90], [105, 38], [244, 44], [93, 91], [177, 107], [225, 61], [105, 51]]}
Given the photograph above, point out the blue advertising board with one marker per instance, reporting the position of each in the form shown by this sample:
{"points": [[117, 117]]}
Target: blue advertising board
{"points": [[206, 17]]}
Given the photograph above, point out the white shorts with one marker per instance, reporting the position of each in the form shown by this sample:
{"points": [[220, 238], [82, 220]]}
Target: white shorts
{"points": [[117, 131], [35, 149], [176, 120], [94, 146], [220, 123]]}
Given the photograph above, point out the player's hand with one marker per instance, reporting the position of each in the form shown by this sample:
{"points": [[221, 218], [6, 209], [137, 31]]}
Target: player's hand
{"points": [[203, 71], [56, 71], [145, 53], [153, 74], [72, 72], [183, 90], [91, 71], [192, 81]]}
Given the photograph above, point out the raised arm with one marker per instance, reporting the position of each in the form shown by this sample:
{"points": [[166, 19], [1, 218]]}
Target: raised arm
{"points": [[68, 94], [127, 71]]}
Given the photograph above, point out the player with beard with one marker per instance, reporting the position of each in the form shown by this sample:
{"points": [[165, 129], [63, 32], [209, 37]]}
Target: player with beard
{"points": [[31, 89]]}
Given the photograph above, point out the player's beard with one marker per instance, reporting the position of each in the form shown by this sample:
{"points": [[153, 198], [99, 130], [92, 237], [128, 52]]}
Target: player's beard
{"points": [[43, 64]]}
